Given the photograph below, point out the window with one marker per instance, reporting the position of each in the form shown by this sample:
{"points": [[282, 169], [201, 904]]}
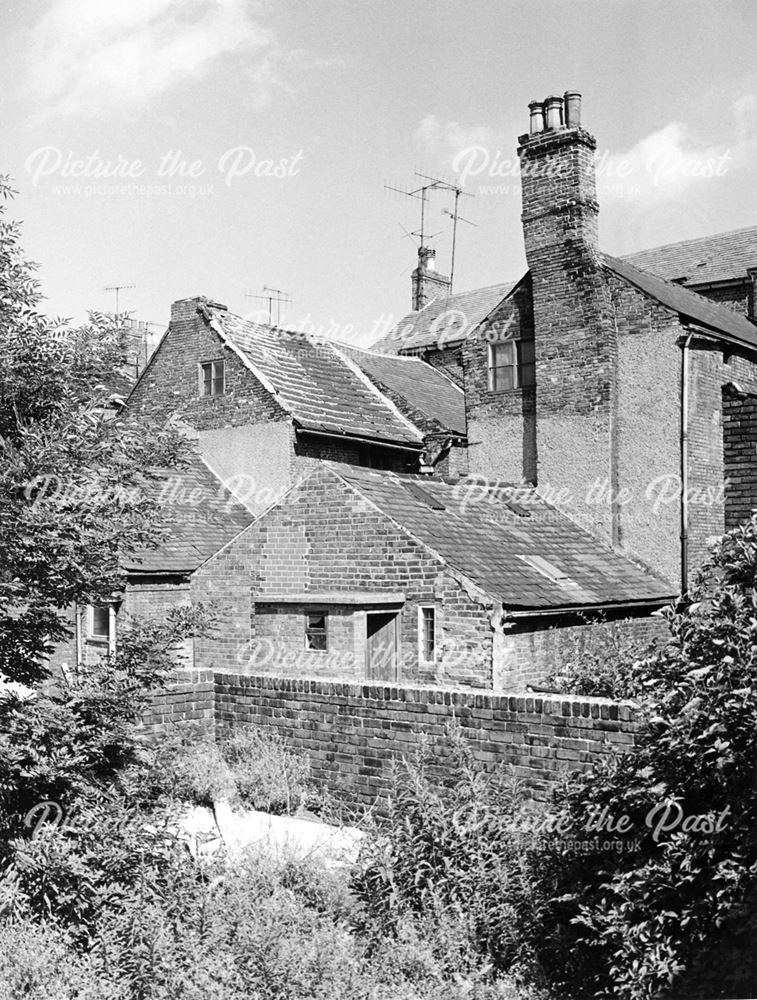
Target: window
{"points": [[427, 635], [511, 364], [101, 623], [316, 634], [212, 378]]}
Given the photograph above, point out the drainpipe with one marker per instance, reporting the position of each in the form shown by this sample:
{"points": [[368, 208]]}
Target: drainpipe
{"points": [[685, 344]]}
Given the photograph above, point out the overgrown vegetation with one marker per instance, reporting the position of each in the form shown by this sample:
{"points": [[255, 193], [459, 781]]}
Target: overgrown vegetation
{"points": [[605, 661], [243, 767]]}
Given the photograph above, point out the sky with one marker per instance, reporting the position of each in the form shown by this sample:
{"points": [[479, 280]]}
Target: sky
{"points": [[211, 147]]}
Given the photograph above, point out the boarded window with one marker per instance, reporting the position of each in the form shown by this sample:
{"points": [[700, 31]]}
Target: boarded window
{"points": [[316, 631]]}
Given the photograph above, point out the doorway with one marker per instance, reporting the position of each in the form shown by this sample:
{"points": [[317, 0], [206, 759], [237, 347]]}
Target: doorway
{"points": [[381, 646]]}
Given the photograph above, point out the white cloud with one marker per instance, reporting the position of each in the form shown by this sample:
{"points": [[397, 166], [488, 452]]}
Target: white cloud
{"points": [[667, 164], [89, 55], [442, 142]]}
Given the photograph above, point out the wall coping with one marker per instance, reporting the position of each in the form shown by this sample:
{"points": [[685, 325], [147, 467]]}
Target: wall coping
{"points": [[562, 704]]}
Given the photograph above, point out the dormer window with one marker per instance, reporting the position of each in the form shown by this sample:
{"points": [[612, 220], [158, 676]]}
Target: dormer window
{"points": [[213, 378], [511, 365]]}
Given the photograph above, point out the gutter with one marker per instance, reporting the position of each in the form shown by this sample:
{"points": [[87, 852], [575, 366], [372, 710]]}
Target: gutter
{"points": [[410, 446], [657, 602]]}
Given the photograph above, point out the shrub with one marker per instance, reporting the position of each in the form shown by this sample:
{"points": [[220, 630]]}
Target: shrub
{"points": [[676, 915], [450, 856], [268, 776], [603, 662]]}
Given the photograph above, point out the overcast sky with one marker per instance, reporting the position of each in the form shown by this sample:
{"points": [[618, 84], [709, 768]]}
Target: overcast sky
{"points": [[343, 96]]}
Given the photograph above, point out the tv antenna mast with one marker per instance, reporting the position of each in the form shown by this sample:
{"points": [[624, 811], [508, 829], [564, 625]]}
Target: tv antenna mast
{"points": [[420, 194], [117, 289], [271, 295], [454, 215]]}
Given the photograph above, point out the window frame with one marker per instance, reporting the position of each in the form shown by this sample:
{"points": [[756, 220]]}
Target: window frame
{"points": [[101, 638], [211, 368], [422, 638], [522, 364], [311, 631]]}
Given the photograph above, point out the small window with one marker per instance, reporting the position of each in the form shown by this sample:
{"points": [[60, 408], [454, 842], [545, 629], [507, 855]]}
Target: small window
{"points": [[511, 365], [316, 633], [427, 635], [99, 622], [213, 378]]}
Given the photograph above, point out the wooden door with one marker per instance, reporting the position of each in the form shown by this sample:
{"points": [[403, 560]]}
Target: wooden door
{"points": [[381, 645]]}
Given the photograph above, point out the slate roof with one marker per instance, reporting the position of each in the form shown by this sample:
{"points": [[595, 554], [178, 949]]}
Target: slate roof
{"points": [[201, 515], [321, 389], [689, 304], [477, 533], [420, 386], [722, 257], [444, 321]]}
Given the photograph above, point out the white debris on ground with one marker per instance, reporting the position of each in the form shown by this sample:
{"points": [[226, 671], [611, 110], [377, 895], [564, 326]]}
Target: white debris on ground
{"points": [[207, 830]]}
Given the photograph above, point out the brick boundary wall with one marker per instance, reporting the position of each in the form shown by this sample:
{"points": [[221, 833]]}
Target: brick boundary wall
{"points": [[352, 732], [189, 696]]}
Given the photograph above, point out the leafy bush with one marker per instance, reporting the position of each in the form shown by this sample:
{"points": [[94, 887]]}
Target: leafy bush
{"points": [[603, 662], [451, 857], [267, 774], [246, 767], [677, 914]]}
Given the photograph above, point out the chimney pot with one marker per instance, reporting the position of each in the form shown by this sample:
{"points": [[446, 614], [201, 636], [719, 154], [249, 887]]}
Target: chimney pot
{"points": [[536, 119], [427, 258], [553, 112], [572, 100]]}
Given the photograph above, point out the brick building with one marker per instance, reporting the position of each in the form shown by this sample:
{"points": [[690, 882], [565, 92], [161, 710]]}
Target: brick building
{"points": [[621, 388], [362, 573], [621, 393]]}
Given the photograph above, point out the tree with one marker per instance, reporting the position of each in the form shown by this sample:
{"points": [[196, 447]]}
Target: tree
{"points": [[674, 911], [75, 475]]}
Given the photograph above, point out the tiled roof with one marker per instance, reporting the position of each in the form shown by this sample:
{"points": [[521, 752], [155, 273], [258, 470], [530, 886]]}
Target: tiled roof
{"points": [[322, 390], [415, 383], [444, 321], [708, 259], [201, 516], [477, 533], [689, 304]]}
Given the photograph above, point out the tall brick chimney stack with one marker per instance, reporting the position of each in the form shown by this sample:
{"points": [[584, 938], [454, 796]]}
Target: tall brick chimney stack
{"points": [[575, 344], [427, 283]]}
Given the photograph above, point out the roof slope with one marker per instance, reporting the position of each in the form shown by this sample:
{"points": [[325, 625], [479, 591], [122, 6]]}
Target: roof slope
{"points": [[476, 533], [444, 321], [321, 389], [689, 304], [423, 388], [201, 516], [722, 257]]}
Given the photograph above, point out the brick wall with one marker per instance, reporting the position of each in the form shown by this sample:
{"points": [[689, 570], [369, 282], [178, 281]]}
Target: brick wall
{"points": [[575, 340], [353, 732], [501, 425], [189, 696], [534, 651], [170, 383], [740, 456], [297, 548], [447, 360]]}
